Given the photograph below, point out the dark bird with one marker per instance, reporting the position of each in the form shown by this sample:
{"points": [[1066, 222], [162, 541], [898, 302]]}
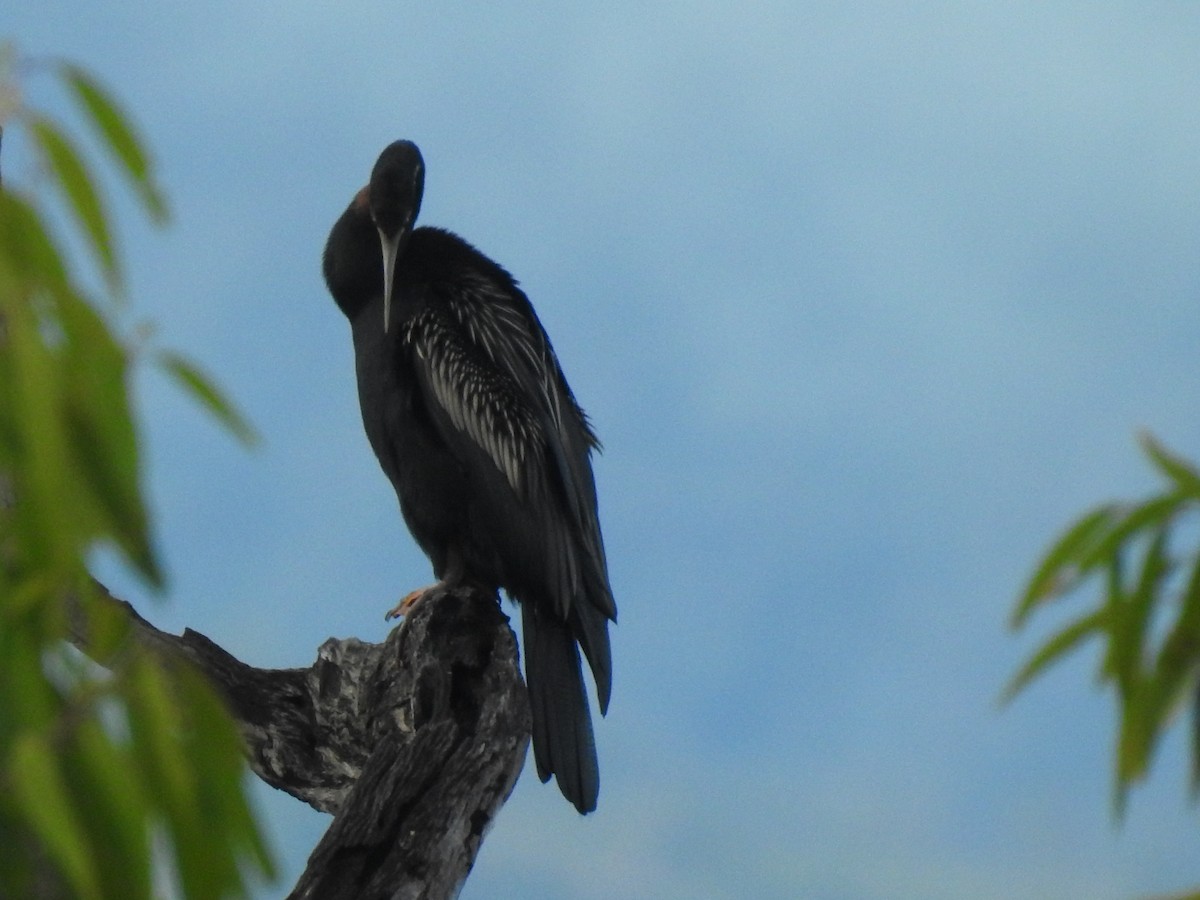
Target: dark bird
{"points": [[469, 413]]}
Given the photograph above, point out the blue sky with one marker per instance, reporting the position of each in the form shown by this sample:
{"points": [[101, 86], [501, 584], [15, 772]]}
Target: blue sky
{"points": [[865, 300]]}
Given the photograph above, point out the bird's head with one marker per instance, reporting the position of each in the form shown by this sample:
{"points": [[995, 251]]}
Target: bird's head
{"points": [[394, 199]]}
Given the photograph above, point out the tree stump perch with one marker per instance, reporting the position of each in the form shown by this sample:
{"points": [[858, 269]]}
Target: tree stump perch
{"points": [[413, 744]]}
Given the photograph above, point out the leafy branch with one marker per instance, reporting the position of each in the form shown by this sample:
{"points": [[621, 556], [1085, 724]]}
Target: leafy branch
{"points": [[1148, 616], [93, 768]]}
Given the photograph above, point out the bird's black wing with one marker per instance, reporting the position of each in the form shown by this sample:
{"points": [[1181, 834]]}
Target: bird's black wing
{"points": [[494, 390], [500, 321], [487, 365]]}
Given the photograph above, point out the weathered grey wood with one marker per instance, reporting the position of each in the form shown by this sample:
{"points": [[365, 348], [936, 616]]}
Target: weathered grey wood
{"points": [[413, 744]]}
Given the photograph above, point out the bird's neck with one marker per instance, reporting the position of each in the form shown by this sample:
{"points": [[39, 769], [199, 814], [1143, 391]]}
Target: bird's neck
{"points": [[353, 263]]}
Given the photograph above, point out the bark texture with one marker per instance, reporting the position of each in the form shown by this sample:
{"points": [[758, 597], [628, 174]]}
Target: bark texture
{"points": [[413, 744]]}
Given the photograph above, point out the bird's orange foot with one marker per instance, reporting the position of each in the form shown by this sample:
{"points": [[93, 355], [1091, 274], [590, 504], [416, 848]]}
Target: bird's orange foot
{"points": [[411, 599]]}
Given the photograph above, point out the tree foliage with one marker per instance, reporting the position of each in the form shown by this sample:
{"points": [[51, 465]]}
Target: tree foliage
{"points": [[103, 775], [1143, 559]]}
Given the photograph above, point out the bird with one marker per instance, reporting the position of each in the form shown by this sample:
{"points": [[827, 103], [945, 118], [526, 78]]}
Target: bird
{"points": [[466, 407]]}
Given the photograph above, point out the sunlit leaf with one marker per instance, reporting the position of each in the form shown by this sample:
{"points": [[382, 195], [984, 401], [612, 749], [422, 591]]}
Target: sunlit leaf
{"points": [[164, 748], [154, 724], [100, 425], [220, 761], [80, 189], [28, 701], [1129, 621], [1174, 467], [1179, 656], [215, 755], [38, 787], [118, 136], [201, 388], [113, 809], [1114, 604], [1055, 649], [211, 831], [1127, 553], [50, 514], [88, 791], [1059, 568], [26, 250], [1132, 755], [1179, 661], [1126, 526]]}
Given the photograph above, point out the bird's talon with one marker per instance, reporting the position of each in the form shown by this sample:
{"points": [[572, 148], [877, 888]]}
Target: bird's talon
{"points": [[404, 607]]}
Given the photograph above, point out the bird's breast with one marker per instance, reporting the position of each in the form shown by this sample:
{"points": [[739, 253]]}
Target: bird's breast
{"points": [[429, 482]]}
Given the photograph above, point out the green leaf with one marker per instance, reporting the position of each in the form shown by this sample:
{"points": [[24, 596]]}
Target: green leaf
{"points": [[1180, 658], [49, 519], [1152, 678], [103, 440], [1141, 716], [190, 758], [85, 796], [158, 727], [27, 254], [1059, 569], [1136, 739], [72, 446], [118, 135], [80, 189], [1055, 649], [216, 755], [1130, 620], [1179, 655], [28, 701], [1174, 467], [115, 811], [201, 388], [1152, 513], [39, 789], [154, 723]]}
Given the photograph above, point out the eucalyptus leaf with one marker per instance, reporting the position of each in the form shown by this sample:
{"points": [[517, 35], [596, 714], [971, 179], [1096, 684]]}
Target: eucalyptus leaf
{"points": [[1055, 649], [1130, 620], [79, 188], [118, 135], [114, 808], [1060, 568], [103, 441], [38, 787], [50, 518], [163, 747], [1126, 526], [171, 763], [27, 252], [201, 388], [1183, 473], [1127, 552], [156, 728], [220, 763]]}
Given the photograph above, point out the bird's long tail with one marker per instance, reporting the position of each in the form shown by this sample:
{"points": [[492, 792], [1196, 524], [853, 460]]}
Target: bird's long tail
{"points": [[563, 744]]}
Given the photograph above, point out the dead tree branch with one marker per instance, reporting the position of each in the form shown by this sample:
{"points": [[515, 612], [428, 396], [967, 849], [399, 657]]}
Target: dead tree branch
{"points": [[413, 744]]}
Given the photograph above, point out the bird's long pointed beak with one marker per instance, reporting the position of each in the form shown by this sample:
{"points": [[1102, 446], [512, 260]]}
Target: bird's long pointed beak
{"points": [[391, 248]]}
